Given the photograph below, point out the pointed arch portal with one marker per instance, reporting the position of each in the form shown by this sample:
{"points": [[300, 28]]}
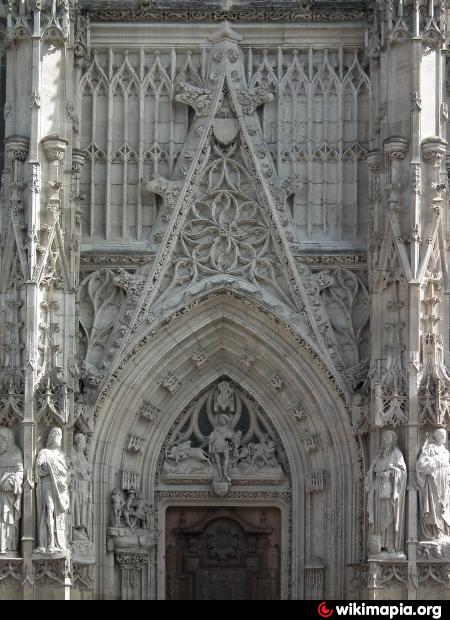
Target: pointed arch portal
{"points": [[225, 356]]}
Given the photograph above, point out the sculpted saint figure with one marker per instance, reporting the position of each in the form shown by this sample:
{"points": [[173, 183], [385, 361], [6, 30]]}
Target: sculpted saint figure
{"points": [[433, 478], [81, 491], [220, 445], [386, 487], [52, 494], [11, 478], [118, 504]]}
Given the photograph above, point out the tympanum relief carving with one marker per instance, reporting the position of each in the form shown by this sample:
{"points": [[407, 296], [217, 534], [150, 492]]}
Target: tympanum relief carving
{"points": [[223, 440]]}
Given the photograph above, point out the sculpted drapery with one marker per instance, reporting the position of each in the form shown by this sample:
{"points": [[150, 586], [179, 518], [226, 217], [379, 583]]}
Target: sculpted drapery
{"points": [[11, 478], [433, 479], [386, 486], [52, 495], [81, 505]]}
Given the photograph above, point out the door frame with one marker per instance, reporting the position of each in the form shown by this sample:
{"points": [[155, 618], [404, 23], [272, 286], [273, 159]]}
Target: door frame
{"points": [[286, 550]]}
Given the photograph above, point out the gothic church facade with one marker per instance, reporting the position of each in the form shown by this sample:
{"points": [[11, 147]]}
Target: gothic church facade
{"points": [[224, 300]]}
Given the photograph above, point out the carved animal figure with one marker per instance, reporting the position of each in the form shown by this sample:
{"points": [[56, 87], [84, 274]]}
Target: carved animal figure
{"points": [[183, 451]]}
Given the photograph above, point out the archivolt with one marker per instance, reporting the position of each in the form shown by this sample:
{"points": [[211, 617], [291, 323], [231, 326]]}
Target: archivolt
{"points": [[224, 327]]}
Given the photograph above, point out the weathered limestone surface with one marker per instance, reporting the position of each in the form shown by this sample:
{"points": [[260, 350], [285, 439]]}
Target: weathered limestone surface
{"points": [[224, 318]]}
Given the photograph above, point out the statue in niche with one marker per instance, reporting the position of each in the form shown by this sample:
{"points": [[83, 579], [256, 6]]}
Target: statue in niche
{"points": [[11, 478], [81, 508], [386, 486], [220, 446], [433, 479], [52, 495]]}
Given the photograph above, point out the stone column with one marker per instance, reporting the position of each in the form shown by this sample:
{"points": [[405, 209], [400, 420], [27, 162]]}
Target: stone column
{"points": [[40, 225], [406, 44], [132, 564]]}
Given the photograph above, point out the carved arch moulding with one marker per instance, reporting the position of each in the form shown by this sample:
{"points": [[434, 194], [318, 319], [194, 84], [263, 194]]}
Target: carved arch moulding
{"points": [[172, 432]]}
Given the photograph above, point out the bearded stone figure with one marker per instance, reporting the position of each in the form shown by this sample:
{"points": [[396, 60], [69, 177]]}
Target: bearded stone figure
{"points": [[11, 478], [386, 487], [52, 495], [433, 478]]}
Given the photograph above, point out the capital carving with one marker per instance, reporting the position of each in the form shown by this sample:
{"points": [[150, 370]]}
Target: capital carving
{"points": [[396, 147], [433, 149], [17, 147], [54, 147]]}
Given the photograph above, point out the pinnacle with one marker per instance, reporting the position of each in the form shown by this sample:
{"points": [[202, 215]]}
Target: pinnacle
{"points": [[225, 33]]}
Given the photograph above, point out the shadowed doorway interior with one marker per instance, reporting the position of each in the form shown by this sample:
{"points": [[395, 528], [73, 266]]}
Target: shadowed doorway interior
{"points": [[215, 553]]}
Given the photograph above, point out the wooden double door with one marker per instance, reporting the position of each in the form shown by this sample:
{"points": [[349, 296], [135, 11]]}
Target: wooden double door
{"points": [[222, 554]]}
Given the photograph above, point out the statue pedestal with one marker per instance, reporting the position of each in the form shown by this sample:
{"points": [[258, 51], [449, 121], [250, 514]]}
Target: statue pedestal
{"points": [[83, 552], [394, 556], [57, 554]]}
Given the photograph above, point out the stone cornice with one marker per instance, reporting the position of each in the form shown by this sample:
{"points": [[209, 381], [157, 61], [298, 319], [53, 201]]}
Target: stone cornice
{"points": [[192, 12]]}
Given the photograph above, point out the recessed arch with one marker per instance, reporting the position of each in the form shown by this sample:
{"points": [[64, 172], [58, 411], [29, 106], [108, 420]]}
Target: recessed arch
{"points": [[304, 404]]}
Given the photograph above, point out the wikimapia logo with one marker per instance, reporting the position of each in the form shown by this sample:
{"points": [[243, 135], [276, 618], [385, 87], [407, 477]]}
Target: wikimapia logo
{"points": [[362, 609]]}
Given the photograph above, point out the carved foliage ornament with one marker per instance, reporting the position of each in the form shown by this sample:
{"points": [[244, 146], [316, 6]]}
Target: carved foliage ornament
{"points": [[303, 12]]}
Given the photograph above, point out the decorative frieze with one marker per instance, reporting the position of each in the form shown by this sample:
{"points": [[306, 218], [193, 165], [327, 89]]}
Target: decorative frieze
{"points": [[304, 11]]}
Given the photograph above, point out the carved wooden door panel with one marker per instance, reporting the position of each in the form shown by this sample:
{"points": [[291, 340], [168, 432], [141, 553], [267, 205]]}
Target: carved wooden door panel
{"points": [[223, 557]]}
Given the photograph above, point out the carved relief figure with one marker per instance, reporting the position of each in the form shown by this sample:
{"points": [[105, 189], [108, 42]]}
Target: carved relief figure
{"points": [[433, 478], [224, 398], [52, 494], [81, 491], [224, 439], [118, 503], [11, 478], [386, 486], [134, 512], [220, 441]]}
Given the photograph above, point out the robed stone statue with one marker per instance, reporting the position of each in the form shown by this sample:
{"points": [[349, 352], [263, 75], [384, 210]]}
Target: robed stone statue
{"points": [[11, 479], [52, 495], [433, 481], [386, 487]]}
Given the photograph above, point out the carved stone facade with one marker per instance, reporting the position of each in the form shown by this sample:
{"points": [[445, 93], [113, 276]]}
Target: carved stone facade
{"points": [[224, 316]]}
